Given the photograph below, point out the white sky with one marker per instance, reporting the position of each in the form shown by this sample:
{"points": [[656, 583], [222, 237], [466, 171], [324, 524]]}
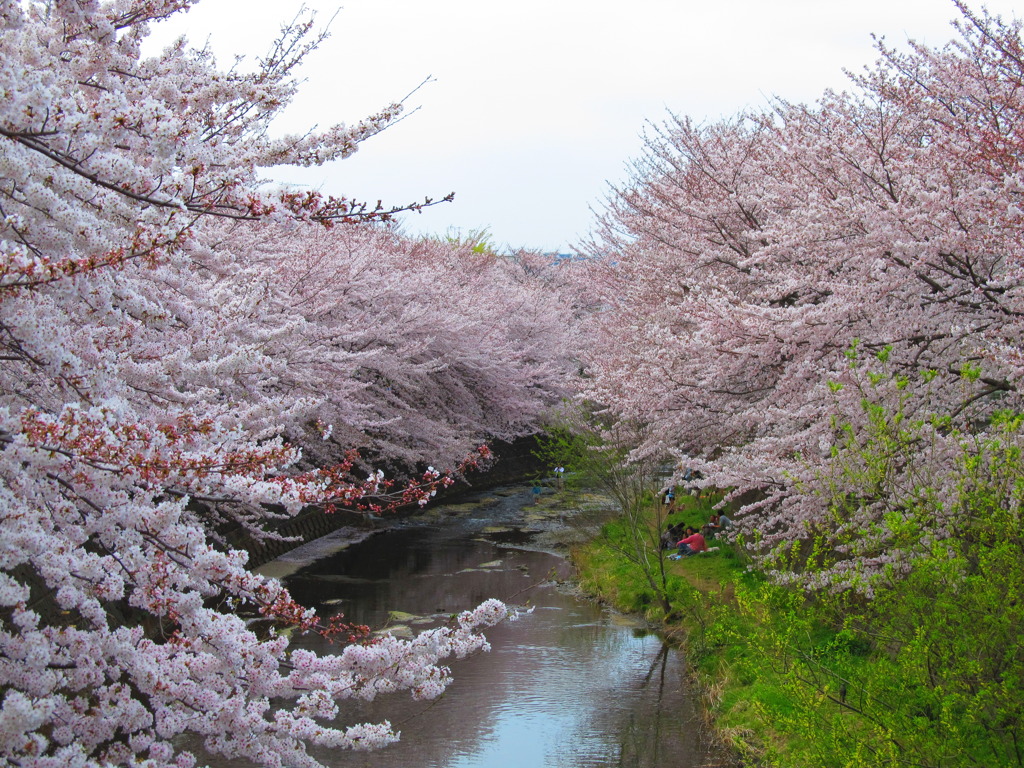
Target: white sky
{"points": [[537, 105]]}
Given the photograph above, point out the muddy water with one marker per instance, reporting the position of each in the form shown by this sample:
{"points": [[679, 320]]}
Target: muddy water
{"points": [[569, 685]]}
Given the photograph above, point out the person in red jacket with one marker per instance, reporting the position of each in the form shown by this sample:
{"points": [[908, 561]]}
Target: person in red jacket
{"points": [[691, 544]]}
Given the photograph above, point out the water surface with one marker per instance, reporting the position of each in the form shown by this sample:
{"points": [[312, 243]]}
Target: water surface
{"points": [[569, 685]]}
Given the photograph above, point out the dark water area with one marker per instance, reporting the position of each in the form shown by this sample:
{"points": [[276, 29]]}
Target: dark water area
{"points": [[571, 684]]}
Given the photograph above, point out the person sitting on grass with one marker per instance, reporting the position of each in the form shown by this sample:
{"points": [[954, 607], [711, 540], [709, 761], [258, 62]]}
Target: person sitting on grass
{"points": [[715, 525], [691, 545], [671, 535]]}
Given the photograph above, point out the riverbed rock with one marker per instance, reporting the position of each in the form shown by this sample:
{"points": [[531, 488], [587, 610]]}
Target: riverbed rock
{"points": [[399, 630], [401, 616], [458, 509]]}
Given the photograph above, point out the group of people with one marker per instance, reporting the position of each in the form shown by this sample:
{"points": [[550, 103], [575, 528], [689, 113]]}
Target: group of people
{"points": [[690, 541]]}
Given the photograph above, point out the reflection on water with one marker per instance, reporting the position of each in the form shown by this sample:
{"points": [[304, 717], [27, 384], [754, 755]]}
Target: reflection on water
{"points": [[568, 685]]}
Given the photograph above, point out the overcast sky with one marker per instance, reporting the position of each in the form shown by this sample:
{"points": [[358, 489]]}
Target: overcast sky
{"points": [[535, 106]]}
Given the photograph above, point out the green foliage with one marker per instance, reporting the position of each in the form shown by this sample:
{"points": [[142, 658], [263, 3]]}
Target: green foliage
{"points": [[918, 661], [970, 371], [575, 439], [851, 352], [477, 240]]}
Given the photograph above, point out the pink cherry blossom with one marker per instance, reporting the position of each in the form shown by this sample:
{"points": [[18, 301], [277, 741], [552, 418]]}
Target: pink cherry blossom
{"points": [[745, 257]]}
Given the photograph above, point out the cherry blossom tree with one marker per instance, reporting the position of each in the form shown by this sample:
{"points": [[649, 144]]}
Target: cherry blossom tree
{"points": [[438, 346], [152, 362], [746, 257]]}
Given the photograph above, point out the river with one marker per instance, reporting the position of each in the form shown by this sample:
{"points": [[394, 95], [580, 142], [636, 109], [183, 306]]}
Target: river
{"points": [[571, 684]]}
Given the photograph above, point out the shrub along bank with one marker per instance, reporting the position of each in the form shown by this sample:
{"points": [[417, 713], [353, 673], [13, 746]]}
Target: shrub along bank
{"points": [[926, 673]]}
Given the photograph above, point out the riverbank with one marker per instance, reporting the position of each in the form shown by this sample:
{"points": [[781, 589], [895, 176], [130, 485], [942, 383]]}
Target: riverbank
{"points": [[740, 636], [790, 679]]}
